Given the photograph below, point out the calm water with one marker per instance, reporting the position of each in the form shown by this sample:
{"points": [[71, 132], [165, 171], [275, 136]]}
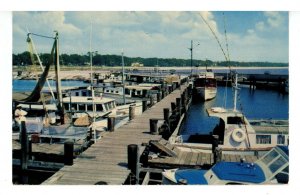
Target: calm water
{"points": [[28, 85], [258, 104]]}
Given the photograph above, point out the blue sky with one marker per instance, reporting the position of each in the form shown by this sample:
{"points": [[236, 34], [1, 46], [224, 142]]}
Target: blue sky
{"points": [[251, 35]]}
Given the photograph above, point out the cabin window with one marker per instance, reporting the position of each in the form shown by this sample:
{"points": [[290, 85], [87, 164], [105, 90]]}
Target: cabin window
{"points": [[84, 93], [81, 107], [280, 139], [277, 164], [117, 91], [106, 107], [267, 159], [76, 93], [74, 106], [138, 92], [235, 120], [107, 91], [89, 107], [263, 139], [99, 108], [127, 91], [66, 105]]}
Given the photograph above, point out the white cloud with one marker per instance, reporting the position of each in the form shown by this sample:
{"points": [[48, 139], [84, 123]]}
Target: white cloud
{"points": [[144, 34], [274, 19]]}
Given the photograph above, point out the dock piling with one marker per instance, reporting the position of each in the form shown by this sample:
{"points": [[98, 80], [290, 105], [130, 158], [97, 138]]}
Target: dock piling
{"points": [[153, 126], [131, 112], [144, 105], [24, 146], [68, 152], [111, 123]]}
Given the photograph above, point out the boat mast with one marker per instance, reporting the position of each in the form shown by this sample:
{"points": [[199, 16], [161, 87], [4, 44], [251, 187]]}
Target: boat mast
{"points": [[123, 84], [92, 89], [235, 92], [57, 73]]}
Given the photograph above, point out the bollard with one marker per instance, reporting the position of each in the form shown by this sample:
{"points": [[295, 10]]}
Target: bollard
{"points": [[183, 102], [178, 105], [144, 105], [163, 94], [131, 112], [173, 107], [217, 155], [111, 123], [151, 100], [153, 126], [24, 146], [132, 157], [158, 96], [167, 115], [68, 152]]}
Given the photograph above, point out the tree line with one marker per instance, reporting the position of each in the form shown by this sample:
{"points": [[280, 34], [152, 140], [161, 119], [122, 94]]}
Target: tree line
{"points": [[23, 59]]}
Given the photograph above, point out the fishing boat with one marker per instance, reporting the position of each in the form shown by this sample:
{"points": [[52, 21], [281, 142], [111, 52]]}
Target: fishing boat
{"points": [[205, 85], [265, 170], [236, 133]]}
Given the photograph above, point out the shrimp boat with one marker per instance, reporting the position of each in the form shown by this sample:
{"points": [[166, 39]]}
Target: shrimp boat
{"points": [[205, 85], [266, 170], [236, 133]]}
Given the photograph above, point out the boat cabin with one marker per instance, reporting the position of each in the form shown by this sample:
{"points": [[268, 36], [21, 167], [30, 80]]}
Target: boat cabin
{"points": [[82, 105]]}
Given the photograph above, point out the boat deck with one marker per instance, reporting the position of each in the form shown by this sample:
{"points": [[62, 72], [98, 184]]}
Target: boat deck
{"points": [[106, 160], [188, 157]]}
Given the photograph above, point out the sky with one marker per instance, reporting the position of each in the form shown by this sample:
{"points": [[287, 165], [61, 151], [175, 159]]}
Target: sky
{"points": [[251, 35]]}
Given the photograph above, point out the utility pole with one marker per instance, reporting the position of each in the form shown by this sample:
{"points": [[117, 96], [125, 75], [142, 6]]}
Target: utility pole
{"points": [[191, 49]]}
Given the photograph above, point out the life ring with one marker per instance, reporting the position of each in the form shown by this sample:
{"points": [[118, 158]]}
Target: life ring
{"points": [[238, 135]]}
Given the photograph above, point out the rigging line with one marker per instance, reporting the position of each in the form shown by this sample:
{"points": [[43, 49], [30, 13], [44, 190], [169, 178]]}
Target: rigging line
{"points": [[224, 21], [34, 51], [44, 36], [219, 43]]}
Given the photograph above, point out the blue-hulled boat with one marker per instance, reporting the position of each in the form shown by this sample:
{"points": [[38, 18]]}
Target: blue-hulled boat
{"points": [[263, 171]]}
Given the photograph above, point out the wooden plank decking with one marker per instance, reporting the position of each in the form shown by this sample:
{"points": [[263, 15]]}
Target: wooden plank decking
{"points": [[192, 158], [106, 160]]}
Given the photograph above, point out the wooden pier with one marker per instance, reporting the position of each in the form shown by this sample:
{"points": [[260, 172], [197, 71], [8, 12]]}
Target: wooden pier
{"points": [[105, 162]]}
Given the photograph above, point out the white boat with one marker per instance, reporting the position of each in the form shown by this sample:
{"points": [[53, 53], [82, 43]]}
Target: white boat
{"points": [[236, 133], [205, 85], [265, 170]]}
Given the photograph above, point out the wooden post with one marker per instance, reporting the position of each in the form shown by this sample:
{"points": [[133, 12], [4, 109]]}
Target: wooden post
{"points": [[24, 146], [132, 159], [163, 94], [68, 152], [151, 100], [183, 102], [153, 126], [215, 143], [144, 105], [167, 115], [158, 96], [173, 107], [178, 105], [218, 155], [131, 112], [111, 123]]}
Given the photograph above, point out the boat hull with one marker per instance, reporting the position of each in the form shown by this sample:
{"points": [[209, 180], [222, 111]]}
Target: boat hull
{"points": [[206, 93]]}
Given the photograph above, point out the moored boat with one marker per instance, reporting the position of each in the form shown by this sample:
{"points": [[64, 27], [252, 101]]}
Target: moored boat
{"points": [[264, 171], [205, 85]]}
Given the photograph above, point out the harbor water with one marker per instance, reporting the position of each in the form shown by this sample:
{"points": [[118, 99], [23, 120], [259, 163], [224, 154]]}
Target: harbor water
{"points": [[255, 104]]}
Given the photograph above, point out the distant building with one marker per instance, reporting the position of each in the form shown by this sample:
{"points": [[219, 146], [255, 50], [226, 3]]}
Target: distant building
{"points": [[136, 64]]}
